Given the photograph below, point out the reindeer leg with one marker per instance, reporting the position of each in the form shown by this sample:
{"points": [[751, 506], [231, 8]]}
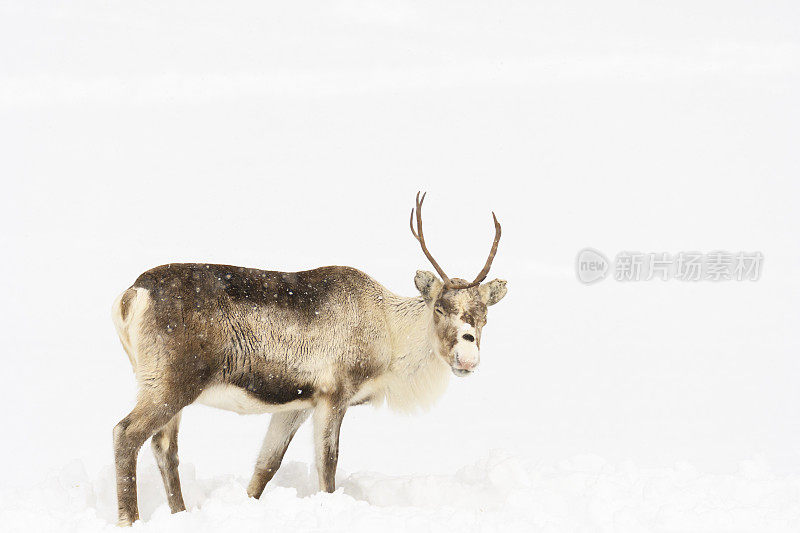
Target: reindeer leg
{"points": [[165, 449], [328, 416], [152, 411], [282, 427]]}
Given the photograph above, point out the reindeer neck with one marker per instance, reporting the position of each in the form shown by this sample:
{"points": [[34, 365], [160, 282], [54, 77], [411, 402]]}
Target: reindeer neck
{"points": [[411, 325], [417, 375]]}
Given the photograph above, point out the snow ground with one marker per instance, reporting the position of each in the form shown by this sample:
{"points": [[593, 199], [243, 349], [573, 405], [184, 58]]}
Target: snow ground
{"points": [[498, 493], [288, 136]]}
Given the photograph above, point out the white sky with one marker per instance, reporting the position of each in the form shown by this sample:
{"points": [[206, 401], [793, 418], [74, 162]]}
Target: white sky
{"points": [[287, 137]]}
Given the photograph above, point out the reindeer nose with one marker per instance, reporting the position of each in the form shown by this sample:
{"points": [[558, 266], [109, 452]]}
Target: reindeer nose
{"points": [[469, 365], [465, 363]]}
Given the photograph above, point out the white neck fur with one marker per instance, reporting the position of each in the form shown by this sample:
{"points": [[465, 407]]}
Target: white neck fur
{"points": [[418, 376]]}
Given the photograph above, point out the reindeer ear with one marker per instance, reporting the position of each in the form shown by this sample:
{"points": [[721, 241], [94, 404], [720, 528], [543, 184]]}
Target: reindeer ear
{"points": [[427, 284], [493, 292]]}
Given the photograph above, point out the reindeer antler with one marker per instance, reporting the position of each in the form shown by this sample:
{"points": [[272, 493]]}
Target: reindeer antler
{"points": [[421, 238], [448, 283], [485, 271]]}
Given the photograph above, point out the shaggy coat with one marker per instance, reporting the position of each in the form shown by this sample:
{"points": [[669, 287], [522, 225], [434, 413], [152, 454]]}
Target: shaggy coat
{"points": [[292, 344]]}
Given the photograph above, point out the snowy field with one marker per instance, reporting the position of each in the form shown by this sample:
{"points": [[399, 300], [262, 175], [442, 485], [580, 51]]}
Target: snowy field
{"points": [[288, 136], [497, 493]]}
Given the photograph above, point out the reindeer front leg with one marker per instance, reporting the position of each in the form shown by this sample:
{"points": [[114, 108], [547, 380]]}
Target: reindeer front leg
{"points": [[282, 428], [328, 416]]}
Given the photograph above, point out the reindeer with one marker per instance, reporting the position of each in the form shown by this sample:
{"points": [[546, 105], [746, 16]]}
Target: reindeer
{"points": [[290, 344]]}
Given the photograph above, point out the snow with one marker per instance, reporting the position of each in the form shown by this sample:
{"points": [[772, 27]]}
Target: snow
{"points": [[498, 493], [287, 137]]}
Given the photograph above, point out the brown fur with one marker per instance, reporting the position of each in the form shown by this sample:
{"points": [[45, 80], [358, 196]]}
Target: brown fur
{"points": [[289, 343]]}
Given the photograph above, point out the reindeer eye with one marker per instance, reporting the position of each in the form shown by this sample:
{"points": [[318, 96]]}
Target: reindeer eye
{"points": [[439, 310]]}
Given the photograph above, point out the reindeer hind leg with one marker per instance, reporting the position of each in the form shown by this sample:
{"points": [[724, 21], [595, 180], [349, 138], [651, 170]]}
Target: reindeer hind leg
{"points": [[152, 412], [165, 450]]}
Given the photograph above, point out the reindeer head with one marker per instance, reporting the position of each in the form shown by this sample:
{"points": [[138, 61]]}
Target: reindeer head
{"points": [[458, 306]]}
